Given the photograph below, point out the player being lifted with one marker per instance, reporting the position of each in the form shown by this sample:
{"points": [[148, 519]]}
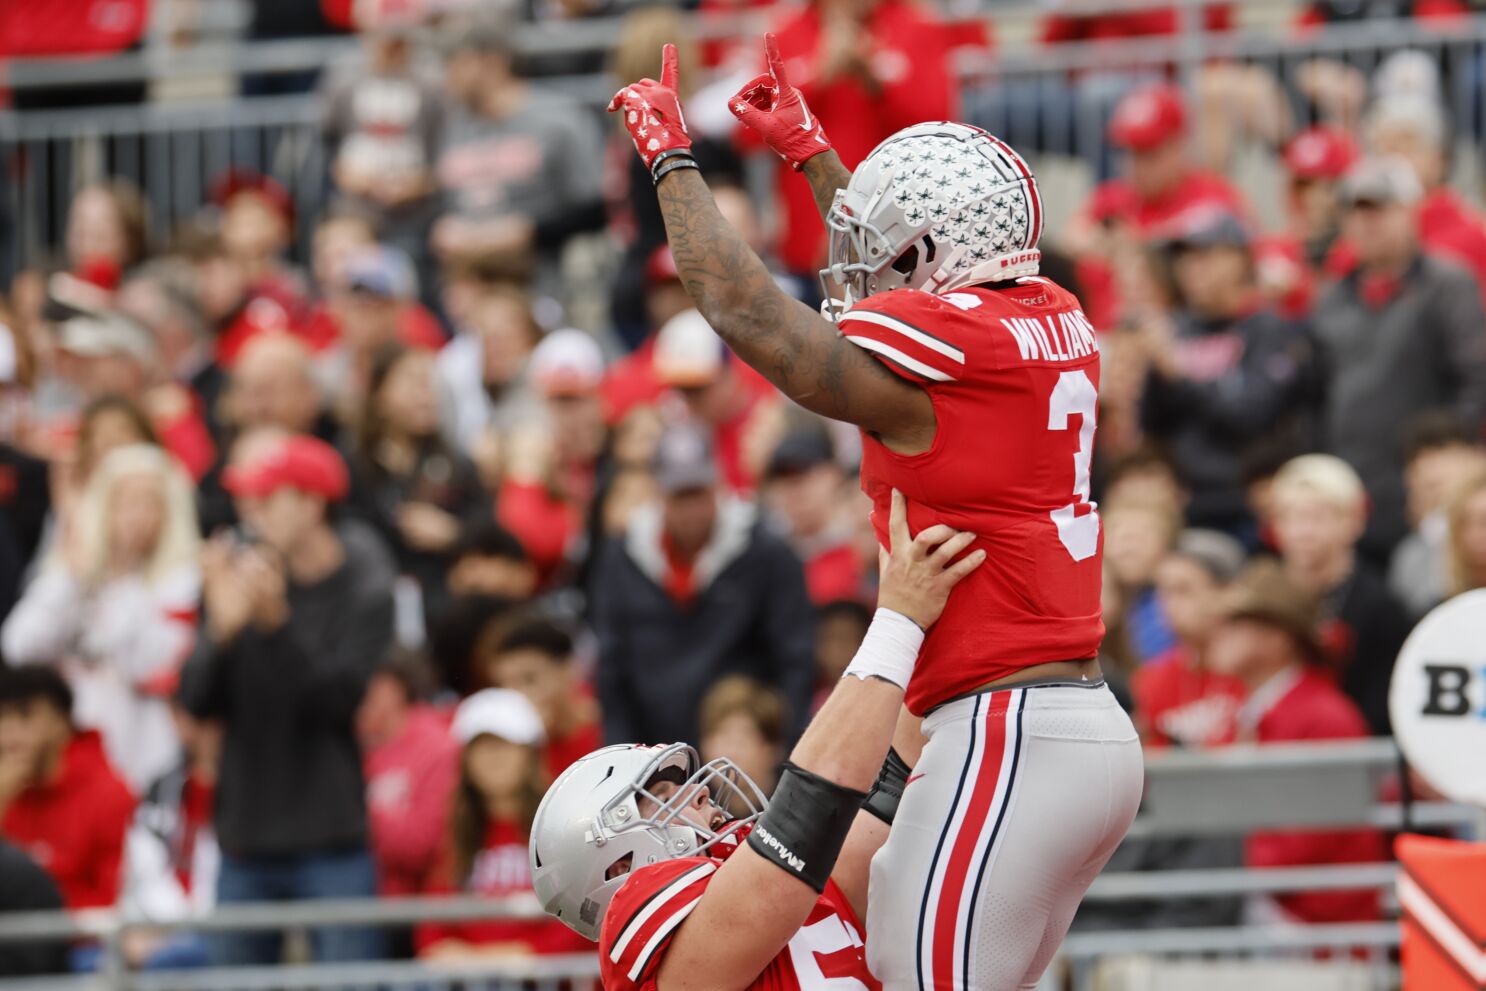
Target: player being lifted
{"points": [[633, 841], [975, 385]]}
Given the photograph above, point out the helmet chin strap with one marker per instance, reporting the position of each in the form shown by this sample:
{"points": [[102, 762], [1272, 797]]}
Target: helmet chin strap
{"points": [[999, 268]]}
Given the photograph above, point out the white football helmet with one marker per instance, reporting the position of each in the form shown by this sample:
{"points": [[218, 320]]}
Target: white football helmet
{"points": [[590, 819], [936, 207]]}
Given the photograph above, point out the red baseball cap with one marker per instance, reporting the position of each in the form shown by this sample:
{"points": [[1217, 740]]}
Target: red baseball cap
{"points": [[236, 182], [661, 267], [301, 462], [1148, 117], [1320, 153]]}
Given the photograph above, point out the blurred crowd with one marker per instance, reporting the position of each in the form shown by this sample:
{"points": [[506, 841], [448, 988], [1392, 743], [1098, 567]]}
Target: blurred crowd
{"points": [[314, 572]]}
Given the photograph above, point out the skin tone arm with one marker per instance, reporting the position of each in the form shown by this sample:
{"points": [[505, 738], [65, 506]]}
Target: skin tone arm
{"points": [[791, 345], [826, 174], [719, 948]]}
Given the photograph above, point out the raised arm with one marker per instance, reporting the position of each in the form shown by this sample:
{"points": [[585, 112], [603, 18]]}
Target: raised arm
{"points": [[764, 892], [791, 345]]}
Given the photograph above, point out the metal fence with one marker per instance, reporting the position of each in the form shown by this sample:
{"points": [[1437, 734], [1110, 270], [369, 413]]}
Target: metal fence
{"points": [[1313, 785]]}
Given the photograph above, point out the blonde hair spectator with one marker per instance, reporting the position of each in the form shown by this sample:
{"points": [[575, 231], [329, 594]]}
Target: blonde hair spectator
{"points": [[1322, 475], [1468, 535]]}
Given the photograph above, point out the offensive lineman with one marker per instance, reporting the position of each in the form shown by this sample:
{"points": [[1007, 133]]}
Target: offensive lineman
{"points": [[632, 841], [975, 385]]}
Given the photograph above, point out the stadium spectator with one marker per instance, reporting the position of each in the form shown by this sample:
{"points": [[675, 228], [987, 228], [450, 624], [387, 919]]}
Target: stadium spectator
{"points": [[1440, 453], [1268, 641], [161, 296], [718, 391], [382, 117], [273, 385], [1468, 536], [567, 370], [867, 69], [1225, 372], [60, 800], [1291, 264], [256, 226], [534, 655], [1137, 538], [501, 780], [114, 607], [25, 887], [1144, 474], [1161, 190], [695, 589], [839, 629], [1400, 334], [489, 574], [106, 228], [484, 366], [631, 380], [297, 608], [410, 765], [744, 722], [1413, 128], [517, 161], [171, 858], [1320, 509], [409, 481], [1178, 699], [111, 355], [802, 489]]}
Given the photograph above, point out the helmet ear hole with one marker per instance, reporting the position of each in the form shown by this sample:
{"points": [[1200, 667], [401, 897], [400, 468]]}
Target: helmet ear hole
{"points": [[907, 262]]}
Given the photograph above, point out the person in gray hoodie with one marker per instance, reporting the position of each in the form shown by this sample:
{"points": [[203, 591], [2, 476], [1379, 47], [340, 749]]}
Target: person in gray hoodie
{"points": [[1403, 332], [297, 612]]}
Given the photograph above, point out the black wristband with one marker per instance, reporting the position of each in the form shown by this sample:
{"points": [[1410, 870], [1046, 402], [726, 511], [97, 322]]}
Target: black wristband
{"points": [[887, 791], [671, 166], [666, 156], [805, 825]]}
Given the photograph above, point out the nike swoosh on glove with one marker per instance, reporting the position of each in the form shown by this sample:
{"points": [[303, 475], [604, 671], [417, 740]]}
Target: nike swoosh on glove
{"points": [[652, 112], [768, 104]]}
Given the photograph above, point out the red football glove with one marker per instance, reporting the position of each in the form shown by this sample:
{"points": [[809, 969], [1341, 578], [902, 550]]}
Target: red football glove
{"points": [[652, 112], [776, 110]]}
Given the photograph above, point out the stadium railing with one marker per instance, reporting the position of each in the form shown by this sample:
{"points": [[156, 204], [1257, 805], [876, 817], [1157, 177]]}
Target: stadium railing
{"points": [[1052, 101], [1230, 791]]}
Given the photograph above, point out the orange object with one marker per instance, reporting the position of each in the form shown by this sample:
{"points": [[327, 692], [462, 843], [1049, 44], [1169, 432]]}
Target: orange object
{"points": [[1444, 915]]}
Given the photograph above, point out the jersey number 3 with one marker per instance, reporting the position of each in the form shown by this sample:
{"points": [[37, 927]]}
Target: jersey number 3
{"points": [[1075, 395]]}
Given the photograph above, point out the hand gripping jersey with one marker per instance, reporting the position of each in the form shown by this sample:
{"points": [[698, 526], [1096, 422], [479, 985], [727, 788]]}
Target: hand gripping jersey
{"points": [[656, 899], [1014, 377]]}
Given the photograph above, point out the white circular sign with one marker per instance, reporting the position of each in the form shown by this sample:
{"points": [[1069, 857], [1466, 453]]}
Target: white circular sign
{"points": [[1438, 698]]}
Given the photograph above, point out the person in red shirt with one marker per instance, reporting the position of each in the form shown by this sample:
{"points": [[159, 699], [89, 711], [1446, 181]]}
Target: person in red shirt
{"points": [[534, 655], [1290, 264], [410, 764], [973, 381], [1161, 191], [631, 381], [1413, 129], [1179, 700], [501, 780], [1120, 25], [867, 68], [1268, 641], [60, 800]]}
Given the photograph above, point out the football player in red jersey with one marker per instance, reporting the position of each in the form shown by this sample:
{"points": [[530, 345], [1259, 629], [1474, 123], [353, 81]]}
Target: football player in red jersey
{"points": [[975, 385], [631, 846]]}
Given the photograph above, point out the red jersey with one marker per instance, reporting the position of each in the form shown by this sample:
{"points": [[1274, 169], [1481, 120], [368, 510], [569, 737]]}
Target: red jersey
{"points": [[1014, 377], [656, 899], [1183, 703]]}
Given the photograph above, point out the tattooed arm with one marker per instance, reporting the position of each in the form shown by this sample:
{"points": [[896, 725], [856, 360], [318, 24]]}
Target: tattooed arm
{"points": [[826, 174], [790, 344]]}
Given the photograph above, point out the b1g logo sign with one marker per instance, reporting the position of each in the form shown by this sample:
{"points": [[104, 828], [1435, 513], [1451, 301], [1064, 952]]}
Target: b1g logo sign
{"points": [[1438, 698]]}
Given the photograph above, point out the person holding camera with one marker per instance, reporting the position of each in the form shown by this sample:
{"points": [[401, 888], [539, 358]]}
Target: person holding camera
{"points": [[297, 610]]}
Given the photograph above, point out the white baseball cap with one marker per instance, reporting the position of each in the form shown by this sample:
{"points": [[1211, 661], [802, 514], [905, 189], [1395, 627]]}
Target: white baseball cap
{"points": [[567, 363], [688, 351], [498, 712]]}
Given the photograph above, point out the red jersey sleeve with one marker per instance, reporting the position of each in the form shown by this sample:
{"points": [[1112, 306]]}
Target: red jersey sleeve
{"points": [[914, 333], [644, 915]]}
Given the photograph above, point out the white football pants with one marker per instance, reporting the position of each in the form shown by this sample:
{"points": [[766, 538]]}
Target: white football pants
{"points": [[1019, 799]]}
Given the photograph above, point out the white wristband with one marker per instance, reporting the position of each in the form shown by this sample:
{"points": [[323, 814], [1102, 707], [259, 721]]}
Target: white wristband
{"points": [[889, 650]]}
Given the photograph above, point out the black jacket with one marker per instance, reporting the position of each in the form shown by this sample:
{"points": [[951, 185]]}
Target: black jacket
{"points": [[25, 887], [291, 779], [657, 658], [1245, 381], [1370, 628]]}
